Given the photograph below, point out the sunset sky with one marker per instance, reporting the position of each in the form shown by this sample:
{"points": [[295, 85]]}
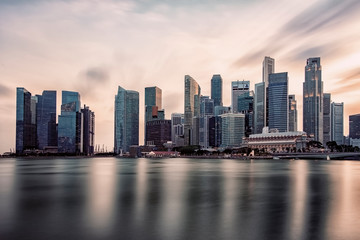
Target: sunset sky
{"points": [[93, 46]]}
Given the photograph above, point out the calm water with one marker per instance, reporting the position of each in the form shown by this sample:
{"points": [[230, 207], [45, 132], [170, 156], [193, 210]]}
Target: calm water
{"points": [[109, 198]]}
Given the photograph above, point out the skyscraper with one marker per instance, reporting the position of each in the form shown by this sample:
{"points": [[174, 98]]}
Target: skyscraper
{"points": [[206, 111], [191, 107], [24, 121], [354, 126], [292, 114], [337, 123], [278, 101], [69, 127], [259, 106], [88, 130], [232, 129], [326, 118], [245, 106], [158, 132], [126, 129], [153, 106], [237, 89], [268, 67], [46, 119], [216, 89], [177, 129], [313, 100]]}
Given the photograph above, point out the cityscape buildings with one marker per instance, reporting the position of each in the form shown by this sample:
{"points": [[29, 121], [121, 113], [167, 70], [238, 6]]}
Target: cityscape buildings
{"points": [[245, 106], [313, 100], [46, 120], [327, 118], [153, 106], [177, 129], [292, 114], [126, 129], [158, 132], [191, 109], [216, 89], [232, 129], [206, 111], [24, 121], [278, 101], [337, 123], [88, 130], [69, 127], [259, 106], [237, 89], [268, 67], [354, 126]]}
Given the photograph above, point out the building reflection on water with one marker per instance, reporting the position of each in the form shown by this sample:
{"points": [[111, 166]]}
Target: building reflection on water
{"points": [[109, 198]]}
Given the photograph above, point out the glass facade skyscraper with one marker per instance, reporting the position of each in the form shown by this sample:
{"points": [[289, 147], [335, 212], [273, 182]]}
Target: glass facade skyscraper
{"points": [[191, 108], [237, 89], [278, 101], [46, 119], [216, 89], [88, 130], [354, 126], [206, 111], [126, 129], [337, 123], [153, 108], [259, 105], [70, 122], [245, 106], [313, 100], [25, 125], [327, 118], [232, 129]]}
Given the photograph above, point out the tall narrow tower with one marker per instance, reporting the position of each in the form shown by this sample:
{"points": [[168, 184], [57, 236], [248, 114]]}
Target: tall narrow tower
{"points": [[216, 89], [268, 67], [191, 107], [313, 100]]}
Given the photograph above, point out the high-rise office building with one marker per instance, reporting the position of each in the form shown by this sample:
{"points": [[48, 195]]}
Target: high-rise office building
{"points": [[337, 123], [268, 67], [153, 106], [216, 89], [177, 129], [245, 106], [313, 100], [326, 118], [25, 125], [158, 132], [259, 106], [278, 101], [126, 129], [191, 108], [354, 126], [215, 131], [46, 120], [88, 130], [206, 111], [70, 124], [292, 114], [237, 89], [232, 129]]}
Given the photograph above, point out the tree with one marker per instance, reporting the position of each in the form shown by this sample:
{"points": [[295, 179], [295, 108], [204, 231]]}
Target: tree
{"points": [[331, 145]]}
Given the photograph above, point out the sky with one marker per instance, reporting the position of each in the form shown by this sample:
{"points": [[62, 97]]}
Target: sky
{"points": [[93, 46]]}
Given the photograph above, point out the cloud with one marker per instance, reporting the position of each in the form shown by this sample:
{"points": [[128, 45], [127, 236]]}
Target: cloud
{"points": [[96, 75], [306, 30], [91, 80], [4, 91]]}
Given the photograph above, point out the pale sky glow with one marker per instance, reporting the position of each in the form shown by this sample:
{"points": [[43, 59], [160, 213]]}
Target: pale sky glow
{"points": [[93, 46]]}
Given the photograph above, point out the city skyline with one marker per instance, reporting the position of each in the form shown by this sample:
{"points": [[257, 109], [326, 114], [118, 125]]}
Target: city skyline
{"points": [[54, 45]]}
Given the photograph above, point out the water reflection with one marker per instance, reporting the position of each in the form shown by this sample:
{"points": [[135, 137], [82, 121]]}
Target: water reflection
{"points": [[108, 198]]}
